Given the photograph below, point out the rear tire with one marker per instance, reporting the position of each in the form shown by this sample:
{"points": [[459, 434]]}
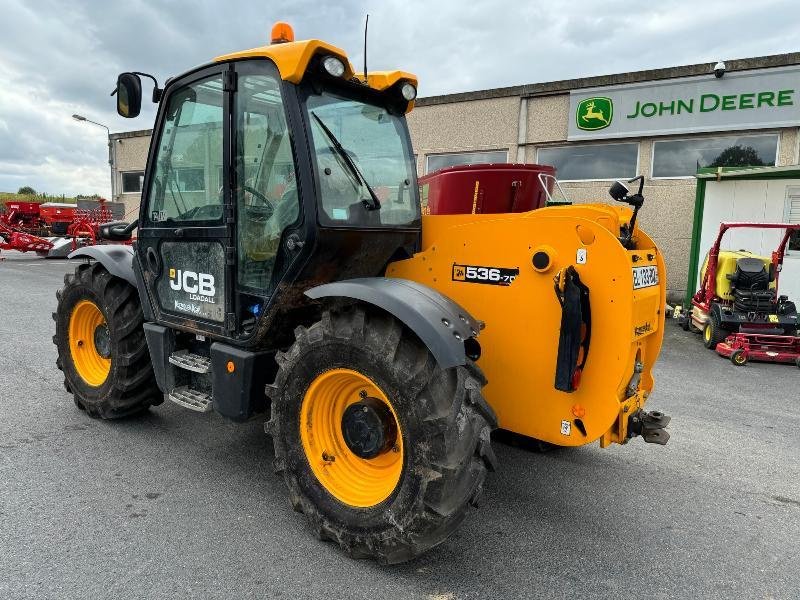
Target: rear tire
{"points": [[109, 373], [443, 420], [713, 333]]}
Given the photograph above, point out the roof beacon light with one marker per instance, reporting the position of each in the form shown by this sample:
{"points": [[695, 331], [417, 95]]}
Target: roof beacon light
{"points": [[409, 91], [281, 33], [333, 66]]}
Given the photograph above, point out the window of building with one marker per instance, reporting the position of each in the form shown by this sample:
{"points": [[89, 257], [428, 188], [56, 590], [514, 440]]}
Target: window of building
{"points": [[682, 158], [132, 182], [592, 161], [434, 162], [191, 179]]}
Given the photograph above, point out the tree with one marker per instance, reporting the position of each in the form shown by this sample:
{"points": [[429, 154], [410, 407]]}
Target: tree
{"points": [[26, 191], [738, 156]]}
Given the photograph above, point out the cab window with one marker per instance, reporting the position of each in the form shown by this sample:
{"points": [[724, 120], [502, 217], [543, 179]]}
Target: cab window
{"points": [[266, 194], [186, 185], [376, 142]]}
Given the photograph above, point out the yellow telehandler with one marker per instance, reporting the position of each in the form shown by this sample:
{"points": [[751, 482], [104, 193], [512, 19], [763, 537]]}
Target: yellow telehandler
{"points": [[282, 270]]}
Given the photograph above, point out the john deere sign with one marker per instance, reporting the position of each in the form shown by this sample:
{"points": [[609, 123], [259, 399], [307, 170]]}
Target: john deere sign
{"points": [[756, 99], [594, 113]]}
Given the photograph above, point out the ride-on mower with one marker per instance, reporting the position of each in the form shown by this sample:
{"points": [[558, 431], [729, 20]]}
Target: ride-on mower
{"points": [[738, 308], [297, 282]]}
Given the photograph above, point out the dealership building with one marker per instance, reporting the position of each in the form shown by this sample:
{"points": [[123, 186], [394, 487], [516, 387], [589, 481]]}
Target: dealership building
{"points": [[665, 124]]}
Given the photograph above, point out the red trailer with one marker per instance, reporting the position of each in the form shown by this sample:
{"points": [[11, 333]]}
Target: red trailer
{"points": [[486, 188]]}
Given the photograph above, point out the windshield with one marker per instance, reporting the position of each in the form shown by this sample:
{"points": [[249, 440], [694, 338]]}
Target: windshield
{"points": [[377, 144]]}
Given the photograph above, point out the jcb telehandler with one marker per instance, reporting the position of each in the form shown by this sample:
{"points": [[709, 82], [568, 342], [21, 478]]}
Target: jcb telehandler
{"points": [[282, 269]]}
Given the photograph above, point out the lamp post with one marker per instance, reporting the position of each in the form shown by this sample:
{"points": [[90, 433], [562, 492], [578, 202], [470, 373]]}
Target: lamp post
{"points": [[111, 156]]}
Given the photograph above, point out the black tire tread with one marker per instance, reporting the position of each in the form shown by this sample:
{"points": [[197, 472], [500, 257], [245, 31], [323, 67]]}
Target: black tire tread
{"points": [[131, 387], [718, 334], [459, 463]]}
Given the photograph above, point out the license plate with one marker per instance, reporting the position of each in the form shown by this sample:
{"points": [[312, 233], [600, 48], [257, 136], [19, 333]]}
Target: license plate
{"points": [[644, 277]]}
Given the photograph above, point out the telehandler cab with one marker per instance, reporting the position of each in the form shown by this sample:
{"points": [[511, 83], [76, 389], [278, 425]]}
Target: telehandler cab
{"points": [[283, 270]]}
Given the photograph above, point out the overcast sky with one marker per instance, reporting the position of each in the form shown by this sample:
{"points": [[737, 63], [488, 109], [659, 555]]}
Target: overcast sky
{"points": [[58, 58]]}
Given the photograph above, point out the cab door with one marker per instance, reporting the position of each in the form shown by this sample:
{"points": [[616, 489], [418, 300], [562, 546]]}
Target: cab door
{"points": [[186, 231]]}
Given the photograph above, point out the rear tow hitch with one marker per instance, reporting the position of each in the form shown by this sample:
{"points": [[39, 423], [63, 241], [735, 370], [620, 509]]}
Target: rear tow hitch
{"points": [[650, 425]]}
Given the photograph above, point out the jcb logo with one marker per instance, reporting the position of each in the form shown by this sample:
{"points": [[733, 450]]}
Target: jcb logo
{"points": [[191, 282]]}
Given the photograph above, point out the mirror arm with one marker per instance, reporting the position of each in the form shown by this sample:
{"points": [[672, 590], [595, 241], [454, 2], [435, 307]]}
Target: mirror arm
{"points": [[157, 91]]}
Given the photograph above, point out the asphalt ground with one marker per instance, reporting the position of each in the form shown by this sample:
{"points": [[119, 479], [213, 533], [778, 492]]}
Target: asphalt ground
{"points": [[181, 505]]}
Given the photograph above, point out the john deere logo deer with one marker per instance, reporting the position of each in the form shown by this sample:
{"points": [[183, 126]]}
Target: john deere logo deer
{"points": [[594, 113]]}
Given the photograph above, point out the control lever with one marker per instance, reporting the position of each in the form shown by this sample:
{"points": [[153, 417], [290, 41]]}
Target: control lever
{"points": [[620, 192]]}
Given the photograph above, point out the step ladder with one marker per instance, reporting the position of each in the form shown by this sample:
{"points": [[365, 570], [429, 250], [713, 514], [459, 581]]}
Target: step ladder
{"points": [[191, 399], [184, 395]]}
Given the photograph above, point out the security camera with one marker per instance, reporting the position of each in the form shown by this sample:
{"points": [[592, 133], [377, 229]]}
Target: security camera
{"points": [[719, 69]]}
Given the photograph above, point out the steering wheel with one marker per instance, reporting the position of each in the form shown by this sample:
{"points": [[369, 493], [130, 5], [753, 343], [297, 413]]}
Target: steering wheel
{"points": [[264, 210]]}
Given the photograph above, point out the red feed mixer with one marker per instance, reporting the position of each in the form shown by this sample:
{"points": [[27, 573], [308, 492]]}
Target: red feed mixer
{"points": [[486, 188]]}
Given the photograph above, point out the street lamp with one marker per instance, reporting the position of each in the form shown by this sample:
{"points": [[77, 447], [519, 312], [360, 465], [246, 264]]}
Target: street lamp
{"points": [[110, 150]]}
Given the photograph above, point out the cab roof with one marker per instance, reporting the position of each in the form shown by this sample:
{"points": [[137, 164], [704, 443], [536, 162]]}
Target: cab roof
{"points": [[293, 58]]}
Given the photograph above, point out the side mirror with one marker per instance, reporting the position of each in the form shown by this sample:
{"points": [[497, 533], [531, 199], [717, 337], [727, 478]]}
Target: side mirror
{"points": [[618, 191], [129, 95], [117, 231]]}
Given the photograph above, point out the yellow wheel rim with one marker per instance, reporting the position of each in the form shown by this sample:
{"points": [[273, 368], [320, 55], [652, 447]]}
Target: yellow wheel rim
{"points": [[351, 479], [707, 333], [740, 359], [84, 321]]}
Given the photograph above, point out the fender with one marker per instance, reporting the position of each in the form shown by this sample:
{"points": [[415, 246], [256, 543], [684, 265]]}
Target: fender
{"points": [[116, 258], [442, 324]]}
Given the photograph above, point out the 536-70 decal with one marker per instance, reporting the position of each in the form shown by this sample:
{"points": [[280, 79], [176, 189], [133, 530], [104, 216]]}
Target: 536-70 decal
{"points": [[488, 275]]}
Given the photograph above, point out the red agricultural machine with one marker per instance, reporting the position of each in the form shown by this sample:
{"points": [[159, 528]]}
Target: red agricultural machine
{"points": [[486, 188], [54, 229], [738, 308]]}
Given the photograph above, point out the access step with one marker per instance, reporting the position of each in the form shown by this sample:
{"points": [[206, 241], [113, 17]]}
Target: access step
{"points": [[191, 362], [191, 399]]}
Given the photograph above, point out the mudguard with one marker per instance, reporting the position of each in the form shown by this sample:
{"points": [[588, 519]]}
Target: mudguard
{"points": [[116, 258], [441, 324]]}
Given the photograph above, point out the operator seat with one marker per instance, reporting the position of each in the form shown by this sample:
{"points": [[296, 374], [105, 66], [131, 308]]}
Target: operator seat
{"points": [[750, 285]]}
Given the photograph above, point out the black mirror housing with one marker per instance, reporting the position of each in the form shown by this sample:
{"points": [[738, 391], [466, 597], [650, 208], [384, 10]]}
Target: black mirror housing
{"points": [[129, 95], [116, 231], [618, 191]]}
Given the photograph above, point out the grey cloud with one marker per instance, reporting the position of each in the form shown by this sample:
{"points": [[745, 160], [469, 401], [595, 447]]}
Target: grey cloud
{"points": [[59, 58]]}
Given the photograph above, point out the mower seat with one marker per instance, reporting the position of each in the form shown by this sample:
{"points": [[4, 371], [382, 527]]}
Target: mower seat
{"points": [[750, 286]]}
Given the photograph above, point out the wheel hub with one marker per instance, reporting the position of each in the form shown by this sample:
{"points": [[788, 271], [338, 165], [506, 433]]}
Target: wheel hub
{"points": [[102, 340], [369, 428]]}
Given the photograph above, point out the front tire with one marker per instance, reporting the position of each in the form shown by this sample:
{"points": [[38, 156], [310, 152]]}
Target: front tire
{"points": [[713, 333], [101, 345], [410, 497]]}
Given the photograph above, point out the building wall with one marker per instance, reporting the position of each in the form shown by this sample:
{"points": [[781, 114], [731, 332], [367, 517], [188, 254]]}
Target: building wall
{"points": [[131, 155], [464, 126]]}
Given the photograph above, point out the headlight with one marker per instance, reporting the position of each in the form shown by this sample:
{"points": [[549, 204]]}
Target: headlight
{"points": [[409, 91], [333, 66]]}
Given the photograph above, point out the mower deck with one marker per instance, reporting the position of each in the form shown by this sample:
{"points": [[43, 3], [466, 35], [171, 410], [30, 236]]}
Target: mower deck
{"points": [[743, 347]]}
